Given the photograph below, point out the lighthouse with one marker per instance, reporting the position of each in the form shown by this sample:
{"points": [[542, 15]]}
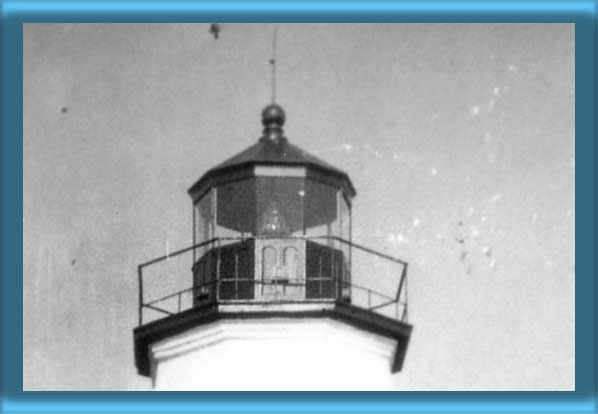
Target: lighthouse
{"points": [[266, 296]]}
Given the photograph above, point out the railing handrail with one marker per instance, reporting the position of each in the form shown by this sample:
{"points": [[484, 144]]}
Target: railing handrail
{"points": [[216, 239]]}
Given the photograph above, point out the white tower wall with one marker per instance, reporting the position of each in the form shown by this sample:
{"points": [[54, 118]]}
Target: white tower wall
{"points": [[273, 354]]}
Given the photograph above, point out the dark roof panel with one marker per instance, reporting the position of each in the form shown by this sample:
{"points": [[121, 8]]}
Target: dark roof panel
{"points": [[272, 148], [268, 153], [282, 153]]}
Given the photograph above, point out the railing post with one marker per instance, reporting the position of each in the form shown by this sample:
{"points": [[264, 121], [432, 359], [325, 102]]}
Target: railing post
{"points": [[402, 281], [179, 300], [236, 275], [337, 294], [406, 295], [369, 299], [320, 276], [332, 246], [218, 271], [140, 281]]}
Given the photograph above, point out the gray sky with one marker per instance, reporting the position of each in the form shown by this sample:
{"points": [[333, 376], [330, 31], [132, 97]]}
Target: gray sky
{"points": [[449, 132]]}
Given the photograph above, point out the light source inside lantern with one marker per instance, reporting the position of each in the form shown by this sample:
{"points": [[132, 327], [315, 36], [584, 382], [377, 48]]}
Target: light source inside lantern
{"points": [[273, 222]]}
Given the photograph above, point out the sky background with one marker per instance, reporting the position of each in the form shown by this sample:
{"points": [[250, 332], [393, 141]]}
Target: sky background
{"points": [[459, 139]]}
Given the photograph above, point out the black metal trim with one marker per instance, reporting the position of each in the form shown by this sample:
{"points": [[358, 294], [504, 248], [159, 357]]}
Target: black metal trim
{"points": [[343, 312], [244, 170]]}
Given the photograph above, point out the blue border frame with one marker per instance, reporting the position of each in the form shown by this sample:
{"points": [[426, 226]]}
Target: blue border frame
{"points": [[15, 13]]}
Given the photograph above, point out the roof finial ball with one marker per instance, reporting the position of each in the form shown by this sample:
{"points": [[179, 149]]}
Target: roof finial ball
{"points": [[273, 118]]}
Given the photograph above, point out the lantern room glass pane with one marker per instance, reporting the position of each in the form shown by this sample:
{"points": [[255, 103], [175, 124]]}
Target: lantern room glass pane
{"points": [[345, 234], [320, 209], [236, 208], [279, 206], [344, 217], [204, 218]]}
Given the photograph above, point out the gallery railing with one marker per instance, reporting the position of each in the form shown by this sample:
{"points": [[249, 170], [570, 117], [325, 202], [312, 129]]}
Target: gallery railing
{"points": [[167, 287]]}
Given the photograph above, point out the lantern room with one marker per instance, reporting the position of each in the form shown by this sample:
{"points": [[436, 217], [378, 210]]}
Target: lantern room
{"points": [[273, 224]]}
